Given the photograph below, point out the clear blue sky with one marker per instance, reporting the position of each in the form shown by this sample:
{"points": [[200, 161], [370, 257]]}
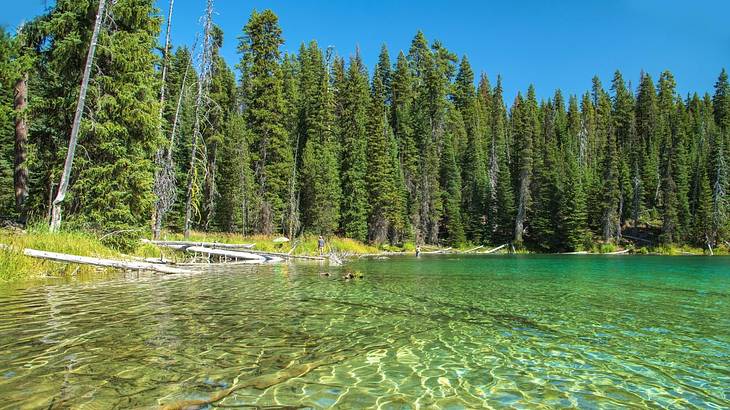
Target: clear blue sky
{"points": [[553, 44]]}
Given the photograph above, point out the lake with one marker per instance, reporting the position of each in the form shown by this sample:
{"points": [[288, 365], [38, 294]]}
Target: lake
{"points": [[444, 331]]}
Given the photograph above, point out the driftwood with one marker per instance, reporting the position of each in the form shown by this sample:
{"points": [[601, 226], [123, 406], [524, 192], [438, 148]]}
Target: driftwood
{"points": [[205, 244], [220, 252], [496, 249], [576, 253], [107, 263], [618, 252], [445, 250], [473, 249], [289, 256]]}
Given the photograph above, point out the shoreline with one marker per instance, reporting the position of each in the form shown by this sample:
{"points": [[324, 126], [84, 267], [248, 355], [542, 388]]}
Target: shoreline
{"points": [[15, 266]]}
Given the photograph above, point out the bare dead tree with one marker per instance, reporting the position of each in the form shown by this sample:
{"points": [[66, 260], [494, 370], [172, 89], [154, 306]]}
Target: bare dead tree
{"points": [[164, 182], [73, 140], [204, 77]]}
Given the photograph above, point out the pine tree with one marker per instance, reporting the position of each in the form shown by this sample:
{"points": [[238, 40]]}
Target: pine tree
{"points": [[608, 188], [353, 122], [502, 205], [386, 196], [271, 153], [548, 189], [401, 119], [474, 171], [624, 123], [428, 128], [236, 177], [222, 95], [718, 160], [321, 191], [451, 227], [647, 132], [525, 126]]}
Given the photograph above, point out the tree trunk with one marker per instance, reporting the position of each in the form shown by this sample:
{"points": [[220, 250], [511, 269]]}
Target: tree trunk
{"points": [[161, 209], [522, 206], [21, 150], [199, 101], [157, 211], [63, 185]]}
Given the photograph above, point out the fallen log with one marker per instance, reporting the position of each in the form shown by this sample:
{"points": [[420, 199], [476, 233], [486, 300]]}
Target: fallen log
{"points": [[576, 253], [445, 250], [473, 249], [107, 263], [617, 252], [496, 249], [219, 252], [204, 244], [289, 256]]}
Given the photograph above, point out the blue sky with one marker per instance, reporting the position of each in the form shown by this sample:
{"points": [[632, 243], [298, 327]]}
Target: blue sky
{"points": [[553, 44]]}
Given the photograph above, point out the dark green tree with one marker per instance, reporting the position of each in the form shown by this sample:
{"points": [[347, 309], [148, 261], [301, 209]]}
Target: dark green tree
{"points": [[353, 124], [271, 152]]}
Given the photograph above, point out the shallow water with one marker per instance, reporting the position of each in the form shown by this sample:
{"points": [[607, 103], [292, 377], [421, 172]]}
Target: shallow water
{"points": [[435, 332]]}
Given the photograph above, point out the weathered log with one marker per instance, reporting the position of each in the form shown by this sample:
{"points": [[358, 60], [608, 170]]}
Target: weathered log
{"points": [[496, 249], [107, 263], [473, 249], [205, 244], [289, 256], [618, 252], [219, 252], [445, 250]]}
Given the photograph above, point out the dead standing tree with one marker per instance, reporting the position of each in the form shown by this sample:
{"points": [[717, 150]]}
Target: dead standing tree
{"points": [[164, 184], [73, 140], [204, 78]]}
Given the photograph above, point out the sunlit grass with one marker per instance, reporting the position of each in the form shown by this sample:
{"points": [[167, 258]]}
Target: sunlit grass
{"points": [[14, 265]]}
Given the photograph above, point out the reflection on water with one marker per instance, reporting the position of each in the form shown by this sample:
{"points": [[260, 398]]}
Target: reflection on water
{"points": [[435, 332]]}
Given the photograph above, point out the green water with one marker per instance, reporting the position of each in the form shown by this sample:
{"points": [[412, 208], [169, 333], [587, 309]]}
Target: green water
{"points": [[435, 332]]}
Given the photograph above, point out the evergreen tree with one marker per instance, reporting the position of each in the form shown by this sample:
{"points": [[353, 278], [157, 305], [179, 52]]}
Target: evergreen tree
{"points": [[502, 205], [474, 171], [525, 128], [321, 194], [271, 153], [353, 123], [387, 200], [452, 230], [402, 124], [718, 159], [608, 187], [222, 96], [648, 137]]}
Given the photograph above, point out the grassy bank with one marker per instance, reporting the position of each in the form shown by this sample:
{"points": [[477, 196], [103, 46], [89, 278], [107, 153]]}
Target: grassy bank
{"points": [[14, 265]]}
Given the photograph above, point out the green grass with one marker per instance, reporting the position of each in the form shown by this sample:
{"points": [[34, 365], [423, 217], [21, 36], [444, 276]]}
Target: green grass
{"points": [[305, 245], [14, 265]]}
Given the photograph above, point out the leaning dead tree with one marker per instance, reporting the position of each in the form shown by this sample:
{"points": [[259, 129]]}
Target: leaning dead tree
{"points": [[204, 78], [73, 140]]}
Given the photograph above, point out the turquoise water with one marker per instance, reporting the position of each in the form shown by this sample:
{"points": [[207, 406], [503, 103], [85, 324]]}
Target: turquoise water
{"points": [[435, 332]]}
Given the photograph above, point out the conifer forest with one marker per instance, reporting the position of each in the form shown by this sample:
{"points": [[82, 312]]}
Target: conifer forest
{"points": [[420, 148]]}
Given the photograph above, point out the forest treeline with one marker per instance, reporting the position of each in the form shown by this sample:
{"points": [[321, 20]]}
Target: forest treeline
{"points": [[418, 149]]}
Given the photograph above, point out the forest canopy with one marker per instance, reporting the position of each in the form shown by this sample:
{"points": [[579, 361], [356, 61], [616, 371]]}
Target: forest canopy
{"points": [[419, 148]]}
